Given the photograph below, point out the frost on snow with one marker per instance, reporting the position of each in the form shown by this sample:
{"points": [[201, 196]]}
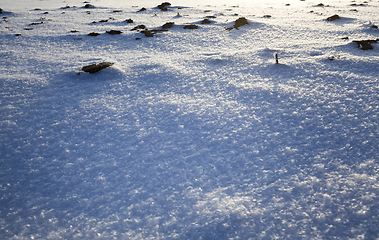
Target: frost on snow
{"points": [[191, 134]]}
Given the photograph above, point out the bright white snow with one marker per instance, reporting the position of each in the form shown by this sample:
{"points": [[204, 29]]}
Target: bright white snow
{"points": [[191, 134]]}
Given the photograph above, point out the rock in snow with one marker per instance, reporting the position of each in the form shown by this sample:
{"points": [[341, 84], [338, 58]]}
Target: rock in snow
{"points": [[139, 27], [332, 18], [163, 6], [113, 32], [366, 44], [206, 21], [89, 6], [239, 23], [94, 68], [93, 34], [150, 33], [191, 26], [168, 25]]}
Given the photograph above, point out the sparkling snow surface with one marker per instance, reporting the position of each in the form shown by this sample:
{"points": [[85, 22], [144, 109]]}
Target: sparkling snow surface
{"points": [[191, 134]]}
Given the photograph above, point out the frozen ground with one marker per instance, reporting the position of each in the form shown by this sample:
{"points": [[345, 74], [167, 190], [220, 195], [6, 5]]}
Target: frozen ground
{"points": [[191, 134]]}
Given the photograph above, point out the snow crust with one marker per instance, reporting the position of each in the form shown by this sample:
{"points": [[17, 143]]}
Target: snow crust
{"points": [[191, 134]]}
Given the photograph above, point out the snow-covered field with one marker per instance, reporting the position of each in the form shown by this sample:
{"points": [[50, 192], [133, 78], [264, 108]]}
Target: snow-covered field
{"points": [[192, 133]]}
